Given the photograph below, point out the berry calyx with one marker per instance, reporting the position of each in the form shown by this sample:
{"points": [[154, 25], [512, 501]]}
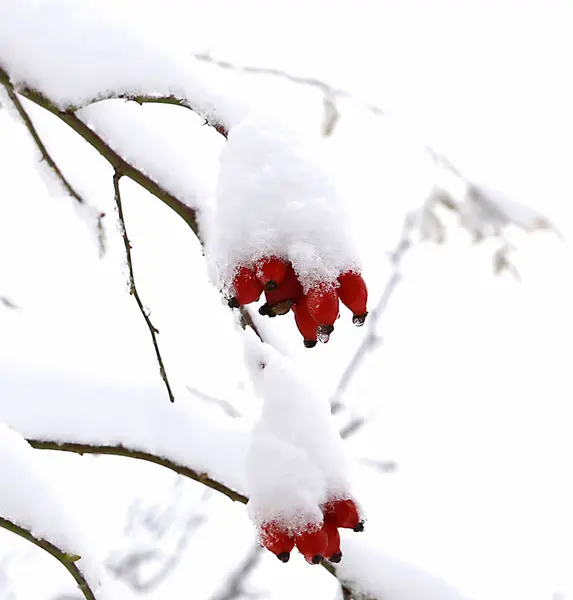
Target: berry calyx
{"points": [[343, 513], [247, 288], [286, 294], [312, 544], [354, 295], [277, 539], [271, 271]]}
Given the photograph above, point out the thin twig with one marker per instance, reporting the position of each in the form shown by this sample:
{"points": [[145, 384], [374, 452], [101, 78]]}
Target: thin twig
{"points": [[79, 448], [235, 584], [133, 288], [371, 340], [65, 559], [327, 89], [224, 405], [47, 157]]}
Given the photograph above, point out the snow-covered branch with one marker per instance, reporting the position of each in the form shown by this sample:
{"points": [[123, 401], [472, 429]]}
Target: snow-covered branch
{"points": [[67, 560], [119, 164], [79, 448], [52, 165]]}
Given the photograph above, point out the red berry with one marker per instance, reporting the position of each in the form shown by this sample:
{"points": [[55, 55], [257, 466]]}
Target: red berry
{"points": [[312, 544], [277, 539], [333, 552], [343, 513], [271, 271], [288, 292], [246, 286], [305, 323], [354, 295], [322, 303]]}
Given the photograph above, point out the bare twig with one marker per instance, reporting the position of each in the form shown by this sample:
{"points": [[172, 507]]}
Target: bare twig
{"points": [[8, 303], [133, 288], [371, 340], [328, 90], [69, 561], [234, 587], [46, 156], [224, 405]]}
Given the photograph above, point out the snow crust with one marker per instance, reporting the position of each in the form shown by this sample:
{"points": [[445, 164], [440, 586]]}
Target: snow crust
{"points": [[28, 499], [275, 197], [296, 460]]}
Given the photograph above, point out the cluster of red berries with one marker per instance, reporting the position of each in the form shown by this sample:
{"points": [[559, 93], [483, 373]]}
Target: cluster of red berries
{"points": [[314, 543], [315, 312]]}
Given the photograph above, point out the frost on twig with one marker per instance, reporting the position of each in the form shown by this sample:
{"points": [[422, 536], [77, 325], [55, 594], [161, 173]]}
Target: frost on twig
{"points": [[92, 214], [133, 288]]}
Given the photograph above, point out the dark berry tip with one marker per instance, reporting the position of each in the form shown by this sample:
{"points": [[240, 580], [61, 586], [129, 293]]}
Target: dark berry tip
{"points": [[325, 329], [309, 343], [336, 558], [283, 556], [264, 309], [271, 285], [360, 527], [233, 303], [316, 560], [358, 320]]}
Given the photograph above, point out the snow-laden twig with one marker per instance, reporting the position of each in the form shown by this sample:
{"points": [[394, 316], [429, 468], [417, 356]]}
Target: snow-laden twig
{"points": [[224, 405], [79, 448], [48, 159], [5, 301], [67, 560], [133, 288], [371, 339]]}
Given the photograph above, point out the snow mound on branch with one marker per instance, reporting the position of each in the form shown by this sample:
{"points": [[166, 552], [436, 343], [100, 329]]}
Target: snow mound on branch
{"points": [[275, 197], [59, 408], [296, 460], [376, 574], [28, 499], [75, 52]]}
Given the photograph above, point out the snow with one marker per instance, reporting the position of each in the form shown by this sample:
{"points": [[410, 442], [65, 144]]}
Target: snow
{"points": [[58, 408], [28, 499], [296, 460], [79, 52], [374, 573], [276, 197]]}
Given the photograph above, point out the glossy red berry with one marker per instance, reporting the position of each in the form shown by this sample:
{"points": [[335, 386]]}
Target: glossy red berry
{"points": [[322, 303], [247, 288], [312, 544], [285, 295], [271, 271], [305, 323], [354, 295], [333, 552], [277, 539], [343, 513]]}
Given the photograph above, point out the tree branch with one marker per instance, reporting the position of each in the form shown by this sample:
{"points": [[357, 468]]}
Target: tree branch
{"points": [[133, 288], [65, 559], [79, 448], [188, 214], [46, 156]]}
